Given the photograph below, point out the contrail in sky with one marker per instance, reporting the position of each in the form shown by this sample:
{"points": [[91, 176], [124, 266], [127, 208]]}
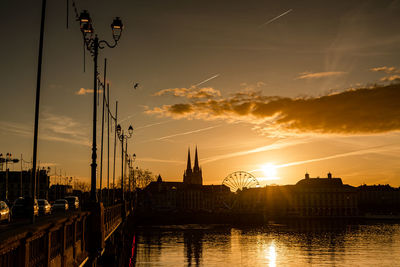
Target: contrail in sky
{"points": [[274, 146], [179, 134], [127, 118], [277, 17], [186, 133], [161, 160], [375, 149], [213, 77], [152, 124]]}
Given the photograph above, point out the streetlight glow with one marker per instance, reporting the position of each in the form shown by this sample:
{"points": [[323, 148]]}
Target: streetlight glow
{"points": [[84, 18], [117, 27]]}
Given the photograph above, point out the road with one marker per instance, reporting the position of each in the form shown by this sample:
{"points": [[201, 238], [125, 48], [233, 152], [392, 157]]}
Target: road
{"points": [[22, 223]]}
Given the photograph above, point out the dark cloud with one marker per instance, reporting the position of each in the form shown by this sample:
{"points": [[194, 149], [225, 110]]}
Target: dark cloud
{"points": [[355, 111]]}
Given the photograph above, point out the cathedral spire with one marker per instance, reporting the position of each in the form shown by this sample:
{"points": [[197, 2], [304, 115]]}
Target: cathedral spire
{"points": [[195, 176], [196, 162], [189, 164]]}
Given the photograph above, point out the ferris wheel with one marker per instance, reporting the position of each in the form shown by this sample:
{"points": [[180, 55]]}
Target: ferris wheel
{"points": [[239, 180]]}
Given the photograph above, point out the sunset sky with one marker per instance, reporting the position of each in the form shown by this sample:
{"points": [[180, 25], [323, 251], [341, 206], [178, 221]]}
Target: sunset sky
{"points": [[275, 88]]}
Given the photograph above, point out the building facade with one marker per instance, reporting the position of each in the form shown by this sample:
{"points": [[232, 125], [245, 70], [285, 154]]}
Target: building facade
{"points": [[379, 199], [310, 197], [188, 195], [19, 184]]}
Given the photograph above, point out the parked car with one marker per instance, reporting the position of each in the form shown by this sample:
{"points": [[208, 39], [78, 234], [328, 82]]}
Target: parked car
{"points": [[73, 202], [5, 214], [60, 205], [22, 207], [44, 207]]}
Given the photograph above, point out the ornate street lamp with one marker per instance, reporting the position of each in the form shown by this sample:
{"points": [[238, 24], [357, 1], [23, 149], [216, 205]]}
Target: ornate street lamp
{"points": [[84, 19], [117, 28], [122, 137], [93, 44]]}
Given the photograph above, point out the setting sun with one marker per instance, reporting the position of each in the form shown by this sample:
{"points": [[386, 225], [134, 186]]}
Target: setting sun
{"points": [[270, 172]]}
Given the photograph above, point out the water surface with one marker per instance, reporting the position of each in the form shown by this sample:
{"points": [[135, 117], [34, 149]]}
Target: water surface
{"points": [[293, 244]]}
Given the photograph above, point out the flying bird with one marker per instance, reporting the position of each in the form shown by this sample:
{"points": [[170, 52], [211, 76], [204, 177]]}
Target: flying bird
{"points": [[135, 85], [277, 17]]}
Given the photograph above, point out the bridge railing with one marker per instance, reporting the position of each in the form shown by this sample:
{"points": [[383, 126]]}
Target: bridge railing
{"points": [[59, 242], [112, 218]]}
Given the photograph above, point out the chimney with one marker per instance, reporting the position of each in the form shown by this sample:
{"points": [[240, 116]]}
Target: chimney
{"points": [[329, 175], [307, 176]]}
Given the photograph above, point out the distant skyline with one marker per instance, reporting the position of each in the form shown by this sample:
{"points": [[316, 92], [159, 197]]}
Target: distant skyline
{"points": [[275, 88]]}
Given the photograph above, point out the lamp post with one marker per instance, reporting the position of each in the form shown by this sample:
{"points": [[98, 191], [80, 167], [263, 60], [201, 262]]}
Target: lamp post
{"points": [[93, 44], [122, 137], [131, 159]]}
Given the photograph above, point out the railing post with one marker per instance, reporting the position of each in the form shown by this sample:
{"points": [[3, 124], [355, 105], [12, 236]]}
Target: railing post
{"points": [[48, 251], [83, 235], [96, 231], [74, 239], [123, 213], [63, 245], [25, 259]]}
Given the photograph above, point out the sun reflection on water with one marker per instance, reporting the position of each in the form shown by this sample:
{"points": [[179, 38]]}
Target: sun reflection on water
{"points": [[272, 255]]}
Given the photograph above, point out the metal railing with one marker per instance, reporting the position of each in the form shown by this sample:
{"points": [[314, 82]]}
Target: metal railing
{"points": [[56, 240], [51, 242], [42, 243], [112, 218]]}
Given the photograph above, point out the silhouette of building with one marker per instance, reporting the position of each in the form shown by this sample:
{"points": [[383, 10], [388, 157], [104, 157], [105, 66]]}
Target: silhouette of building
{"points": [[188, 195], [21, 182], [378, 199], [309, 197], [58, 191], [324, 197], [194, 176]]}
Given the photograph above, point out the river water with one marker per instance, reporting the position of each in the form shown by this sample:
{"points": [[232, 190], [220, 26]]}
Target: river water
{"points": [[273, 244]]}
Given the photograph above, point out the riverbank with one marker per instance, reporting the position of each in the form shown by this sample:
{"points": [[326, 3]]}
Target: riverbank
{"points": [[180, 218]]}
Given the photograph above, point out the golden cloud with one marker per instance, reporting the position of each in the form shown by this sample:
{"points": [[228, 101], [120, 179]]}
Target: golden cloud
{"points": [[391, 78], [190, 93], [84, 91], [316, 75], [355, 111], [388, 70], [392, 73]]}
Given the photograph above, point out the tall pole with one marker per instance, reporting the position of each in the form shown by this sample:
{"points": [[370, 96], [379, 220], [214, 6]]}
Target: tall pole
{"points": [[130, 166], [129, 173], [20, 189], [115, 147], [126, 163], [7, 178], [102, 133], [108, 144], [122, 166], [38, 80], [93, 194], [38, 176]]}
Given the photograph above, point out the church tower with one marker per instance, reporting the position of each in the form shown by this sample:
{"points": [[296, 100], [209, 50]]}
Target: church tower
{"points": [[194, 176], [187, 175]]}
